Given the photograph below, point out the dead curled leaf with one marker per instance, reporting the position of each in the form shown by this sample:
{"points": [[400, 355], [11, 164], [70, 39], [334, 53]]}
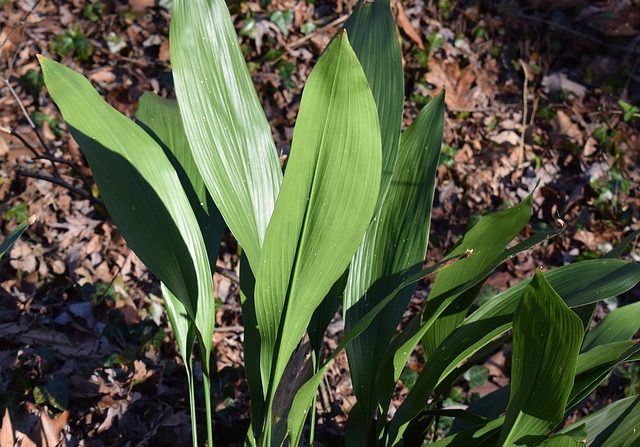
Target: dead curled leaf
{"points": [[467, 88]]}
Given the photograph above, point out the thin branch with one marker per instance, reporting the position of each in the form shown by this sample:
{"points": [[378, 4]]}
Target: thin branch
{"points": [[20, 24], [61, 182], [45, 147]]}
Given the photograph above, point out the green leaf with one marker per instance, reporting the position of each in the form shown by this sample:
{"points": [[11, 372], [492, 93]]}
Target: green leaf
{"points": [[546, 342], [488, 239], [300, 405], [629, 111], [596, 364], [142, 192], [622, 246], [579, 284], [396, 239], [185, 335], [325, 205], [476, 375], [374, 38], [615, 425], [227, 130], [161, 119], [408, 339], [283, 19], [621, 324], [13, 236]]}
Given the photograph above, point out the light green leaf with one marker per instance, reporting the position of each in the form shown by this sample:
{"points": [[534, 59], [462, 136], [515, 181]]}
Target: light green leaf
{"points": [[395, 240], [621, 324], [142, 192], [374, 38], [488, 239], [408, 339], [616, 425], [476, 375], [579, 284], [229, 135], [546, 342], [325, 205]]}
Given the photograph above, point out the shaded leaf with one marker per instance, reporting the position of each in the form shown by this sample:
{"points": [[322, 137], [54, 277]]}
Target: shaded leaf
{"points": [[488, 239], [396, 239], [546, 342], [142, 192]]}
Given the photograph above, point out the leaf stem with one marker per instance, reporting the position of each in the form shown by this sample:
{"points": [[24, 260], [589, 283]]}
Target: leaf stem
{"points": [[206, 382], [192, 404]]}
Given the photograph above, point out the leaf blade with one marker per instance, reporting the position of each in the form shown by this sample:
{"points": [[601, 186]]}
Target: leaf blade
{"points": [[325, 204], [224, 121], [141, 190], [546, 342]]}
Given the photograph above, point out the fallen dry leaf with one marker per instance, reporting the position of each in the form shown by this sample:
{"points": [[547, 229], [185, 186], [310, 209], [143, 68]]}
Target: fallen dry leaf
{"points": [[405, 24], [51, 429], [140, 5], [456, 82]]}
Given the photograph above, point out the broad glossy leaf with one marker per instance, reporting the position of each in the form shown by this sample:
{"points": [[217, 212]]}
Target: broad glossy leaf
{"points": [[616, 425], [13, 236], [546, 342], [161, 118], [396, 239], [620, 324], [325, 205], [142, 192], [488, 239], [578, 284], [229, 135], [374, 39]]}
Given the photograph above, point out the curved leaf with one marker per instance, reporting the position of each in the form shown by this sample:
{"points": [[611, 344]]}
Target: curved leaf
{"points": [[546, 342], [14, 235], [142, 192], [620, 324], [581, 283], [229, 135], [615, 425], [327, 200], [161, 119]]}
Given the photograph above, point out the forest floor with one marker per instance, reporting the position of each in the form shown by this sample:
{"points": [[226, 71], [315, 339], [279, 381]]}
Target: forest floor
{"points": [[538, 93]]}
